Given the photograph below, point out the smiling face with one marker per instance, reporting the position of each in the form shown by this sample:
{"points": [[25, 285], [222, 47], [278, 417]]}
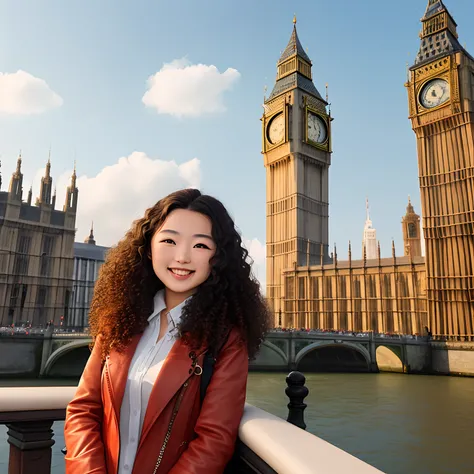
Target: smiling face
{"points": [[181, 251]]}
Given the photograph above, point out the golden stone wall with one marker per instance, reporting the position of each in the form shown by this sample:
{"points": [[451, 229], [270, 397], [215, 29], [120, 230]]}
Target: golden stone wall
{"points": [[381, 295]]}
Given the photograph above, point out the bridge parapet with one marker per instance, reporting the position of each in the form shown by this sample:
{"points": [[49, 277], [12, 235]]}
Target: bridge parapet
{"points": [[29, 413]]}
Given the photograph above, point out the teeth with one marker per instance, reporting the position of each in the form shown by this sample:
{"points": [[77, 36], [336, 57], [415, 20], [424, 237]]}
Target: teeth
{"points": [[180, 272]]}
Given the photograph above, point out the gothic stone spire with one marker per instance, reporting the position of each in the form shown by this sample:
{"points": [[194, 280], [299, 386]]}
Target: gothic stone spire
{"points": [[16, 182], [439, 36], [294, 69]]}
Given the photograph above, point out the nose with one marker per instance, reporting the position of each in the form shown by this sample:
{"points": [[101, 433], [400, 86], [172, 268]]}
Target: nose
{"points": [[183, 254]]}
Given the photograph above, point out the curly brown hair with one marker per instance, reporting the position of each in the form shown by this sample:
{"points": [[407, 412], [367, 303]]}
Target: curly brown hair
{"points": [[127, 284]]}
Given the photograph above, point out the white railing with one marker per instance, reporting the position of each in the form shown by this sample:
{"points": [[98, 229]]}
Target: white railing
{"points": [[289, 449], [282, 446]]}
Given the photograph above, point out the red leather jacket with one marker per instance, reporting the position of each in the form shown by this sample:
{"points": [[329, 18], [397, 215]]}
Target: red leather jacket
{"points": [[202, 438]]}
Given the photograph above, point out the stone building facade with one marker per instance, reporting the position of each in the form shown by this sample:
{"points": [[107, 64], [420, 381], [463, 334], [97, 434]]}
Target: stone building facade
{"points": [[384, 295], [400, 294], [36, 252], [88, 258]]}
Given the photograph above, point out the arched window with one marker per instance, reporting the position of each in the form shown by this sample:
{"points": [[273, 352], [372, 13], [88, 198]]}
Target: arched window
{"points": [[412, 230]]}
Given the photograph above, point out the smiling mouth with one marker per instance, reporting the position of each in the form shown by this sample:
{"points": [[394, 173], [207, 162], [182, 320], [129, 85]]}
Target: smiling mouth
{"points": [[180, 272]]}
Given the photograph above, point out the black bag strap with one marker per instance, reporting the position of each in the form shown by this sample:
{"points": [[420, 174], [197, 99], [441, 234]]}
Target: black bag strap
{"points": [[210, 358]]}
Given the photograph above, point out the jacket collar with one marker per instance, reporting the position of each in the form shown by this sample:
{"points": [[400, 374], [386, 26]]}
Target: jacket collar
{"points": [[175, 371]]}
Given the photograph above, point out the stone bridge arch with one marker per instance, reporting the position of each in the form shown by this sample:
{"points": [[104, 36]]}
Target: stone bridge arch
{"points": [[270, 357], [344, 345], [61, 352], [390, 358]]}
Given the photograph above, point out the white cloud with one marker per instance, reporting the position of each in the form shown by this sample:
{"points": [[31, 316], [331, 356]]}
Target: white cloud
{"points": [[184, 89], [23, 94], [121, 193]]}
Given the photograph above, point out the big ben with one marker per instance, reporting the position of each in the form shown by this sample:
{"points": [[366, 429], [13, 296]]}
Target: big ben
{"points": [[441, 109], [296, 136]]}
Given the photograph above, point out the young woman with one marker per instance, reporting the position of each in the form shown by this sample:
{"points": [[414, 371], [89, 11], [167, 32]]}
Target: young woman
{"points": [[176, 287]]}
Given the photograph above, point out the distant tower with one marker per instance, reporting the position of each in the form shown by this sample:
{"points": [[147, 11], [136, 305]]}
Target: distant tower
{"points": [[411, 232], [70, 205], [16, 183], [441, 110], [46, 187], [369, 241], [90, 240]]}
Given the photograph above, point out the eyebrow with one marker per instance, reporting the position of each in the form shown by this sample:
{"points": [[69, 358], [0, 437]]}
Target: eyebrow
{"points": [[175, 232]]}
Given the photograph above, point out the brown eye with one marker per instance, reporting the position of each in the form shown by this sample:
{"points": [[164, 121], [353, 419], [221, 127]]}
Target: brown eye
{"points": [[202, 246], [168, 241]]}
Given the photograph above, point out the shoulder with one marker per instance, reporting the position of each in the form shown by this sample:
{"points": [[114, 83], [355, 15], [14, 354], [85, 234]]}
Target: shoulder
{"points": [[235, 342]]}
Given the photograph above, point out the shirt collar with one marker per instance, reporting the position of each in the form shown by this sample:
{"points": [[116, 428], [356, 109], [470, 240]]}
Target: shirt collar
{"points": [[174, 316]]}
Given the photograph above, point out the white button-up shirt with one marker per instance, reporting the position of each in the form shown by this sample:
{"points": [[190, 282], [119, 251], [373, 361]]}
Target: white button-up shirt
{"points": [[144, 369]]}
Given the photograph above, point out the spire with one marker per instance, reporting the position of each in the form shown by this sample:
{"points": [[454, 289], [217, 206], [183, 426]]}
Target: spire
{"points": [[72, 193], [18, 165], [90, 240], [410, 209], [439, 35], [48, 168], [46, 186], [30, 195], [350, 254], [294, 69], [16, 182], [370, 235], [294, 47]]}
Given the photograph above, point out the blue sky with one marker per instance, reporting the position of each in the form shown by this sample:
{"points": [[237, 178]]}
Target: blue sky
{"points": [[96, 57]]}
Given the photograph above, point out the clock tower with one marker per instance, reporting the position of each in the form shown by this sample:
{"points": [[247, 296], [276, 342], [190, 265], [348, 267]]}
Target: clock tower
{"points": [[296, 133], [441, 108]]}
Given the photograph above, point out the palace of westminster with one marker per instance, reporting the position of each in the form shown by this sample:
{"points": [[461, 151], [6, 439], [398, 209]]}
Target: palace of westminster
{"points": [[46, 276]]}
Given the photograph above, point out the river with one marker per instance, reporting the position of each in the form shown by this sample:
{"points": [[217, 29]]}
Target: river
{"points": [[402, 424]]}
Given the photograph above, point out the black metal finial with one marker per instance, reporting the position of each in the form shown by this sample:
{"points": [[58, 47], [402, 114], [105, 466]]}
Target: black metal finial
{"points": [[296, 392]]}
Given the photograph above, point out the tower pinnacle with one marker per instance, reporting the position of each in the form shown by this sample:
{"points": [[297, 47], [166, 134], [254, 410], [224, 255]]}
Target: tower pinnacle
{"points": [[411, 231], [294, 69], [90, 239], [439, 35], [369, 242]]}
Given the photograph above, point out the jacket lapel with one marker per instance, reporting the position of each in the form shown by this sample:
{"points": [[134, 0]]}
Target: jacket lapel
{"points": [[176, 369], [118, 364]]}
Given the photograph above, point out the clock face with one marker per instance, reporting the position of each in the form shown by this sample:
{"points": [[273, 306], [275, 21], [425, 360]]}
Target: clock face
{"points": [[317, 130], [276, 129], [435, 93]]}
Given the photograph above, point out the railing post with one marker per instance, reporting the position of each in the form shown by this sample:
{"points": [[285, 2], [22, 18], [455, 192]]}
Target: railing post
{"points": [[296, 392], [30, 447]]}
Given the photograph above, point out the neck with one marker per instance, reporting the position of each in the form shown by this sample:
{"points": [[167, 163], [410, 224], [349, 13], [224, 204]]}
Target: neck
{"points": [[173, 299]]}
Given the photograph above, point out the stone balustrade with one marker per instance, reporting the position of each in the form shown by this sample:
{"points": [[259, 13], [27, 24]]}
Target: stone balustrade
{"points": [[267, 444]]}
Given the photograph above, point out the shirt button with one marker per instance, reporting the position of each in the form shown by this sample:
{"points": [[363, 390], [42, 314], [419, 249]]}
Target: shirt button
{"points": [[132, 440], [126, 467], [135, 413]]}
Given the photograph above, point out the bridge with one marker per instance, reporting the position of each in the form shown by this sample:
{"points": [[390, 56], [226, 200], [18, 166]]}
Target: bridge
{"points": [[60, 354]]}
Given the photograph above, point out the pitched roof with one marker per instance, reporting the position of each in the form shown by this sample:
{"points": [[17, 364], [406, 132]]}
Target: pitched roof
{"points": [[294, 81], [294, 47]]}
